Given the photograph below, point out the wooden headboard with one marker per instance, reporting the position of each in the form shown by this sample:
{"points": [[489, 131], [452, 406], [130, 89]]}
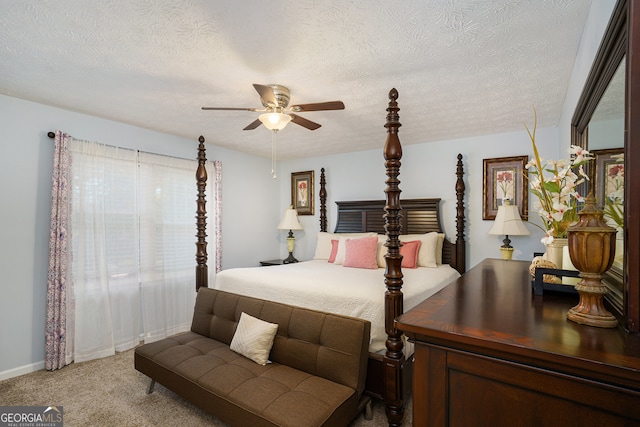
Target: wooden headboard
{"points": [[417, 216]]}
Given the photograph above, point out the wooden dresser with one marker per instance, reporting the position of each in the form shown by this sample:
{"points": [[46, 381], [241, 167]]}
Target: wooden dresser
{"points": [[490, 353]]}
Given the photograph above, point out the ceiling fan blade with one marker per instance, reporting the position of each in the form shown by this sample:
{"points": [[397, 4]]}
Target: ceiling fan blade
{"points": [[319, 106], [267, 95], [304, 122], [254, 124], [231, 109]]}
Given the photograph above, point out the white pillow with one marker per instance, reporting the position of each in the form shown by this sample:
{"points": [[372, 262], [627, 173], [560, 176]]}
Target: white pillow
{"points": [[323, 245], [254, 338], [439, 248], [427, 253]]}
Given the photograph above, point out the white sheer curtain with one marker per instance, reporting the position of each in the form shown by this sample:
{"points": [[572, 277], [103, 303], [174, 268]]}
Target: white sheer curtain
{"points": [[104, 249], [133, 247], [167, 244]]}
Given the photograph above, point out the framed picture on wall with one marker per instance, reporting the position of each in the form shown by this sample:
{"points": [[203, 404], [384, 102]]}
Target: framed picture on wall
{"points": [[302, 192], [609, 175], [504, 179]]}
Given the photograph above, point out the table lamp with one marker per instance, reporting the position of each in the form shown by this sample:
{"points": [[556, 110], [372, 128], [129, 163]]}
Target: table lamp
{"points": [[508, 222], [290, 222]]}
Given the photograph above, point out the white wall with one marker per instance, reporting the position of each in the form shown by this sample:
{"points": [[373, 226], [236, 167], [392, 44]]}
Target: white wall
{"points": [[596, 25], [26, 158]]}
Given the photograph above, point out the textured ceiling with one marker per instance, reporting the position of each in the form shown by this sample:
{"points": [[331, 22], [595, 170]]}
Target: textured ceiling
{"points": [[462, 67]]}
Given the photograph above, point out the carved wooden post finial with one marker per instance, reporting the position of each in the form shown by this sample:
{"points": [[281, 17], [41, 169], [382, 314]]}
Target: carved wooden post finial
{"points": [[202, 270], [323, 201], [460, 242], [394, 356]]}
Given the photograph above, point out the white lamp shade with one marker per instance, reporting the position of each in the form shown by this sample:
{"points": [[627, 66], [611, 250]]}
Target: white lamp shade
{"points": [[508, 222], [289, 220], [274, 121]]}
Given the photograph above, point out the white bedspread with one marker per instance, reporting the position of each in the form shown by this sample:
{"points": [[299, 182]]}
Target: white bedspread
{"points": [[320, 285]]}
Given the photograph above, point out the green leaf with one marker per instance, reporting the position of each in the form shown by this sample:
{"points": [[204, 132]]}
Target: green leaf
{"points": [[552, 187]]}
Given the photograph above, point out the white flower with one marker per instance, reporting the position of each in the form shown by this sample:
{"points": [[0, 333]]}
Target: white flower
{"points": [[581, 154], [559, 210], [617, 195], [531, 163], [582, 174], [535, 183], [555, 184]]}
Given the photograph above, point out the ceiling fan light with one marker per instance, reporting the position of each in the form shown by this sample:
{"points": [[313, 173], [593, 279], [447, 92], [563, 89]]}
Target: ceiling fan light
{"points": [[274, 121]]}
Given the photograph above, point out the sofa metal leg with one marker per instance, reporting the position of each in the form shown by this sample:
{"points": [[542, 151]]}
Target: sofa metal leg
{"points": [[151, 385], [368, 410]]}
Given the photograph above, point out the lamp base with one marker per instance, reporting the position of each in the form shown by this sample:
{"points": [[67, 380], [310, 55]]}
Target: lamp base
{"points": [[506, 253], [290, 259]]}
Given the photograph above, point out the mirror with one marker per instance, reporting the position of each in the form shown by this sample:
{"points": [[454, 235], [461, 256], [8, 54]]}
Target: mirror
{"points": [[598, 124], [605, 140]]}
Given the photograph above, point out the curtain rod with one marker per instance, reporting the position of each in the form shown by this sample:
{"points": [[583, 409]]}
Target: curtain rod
{"points": [[52, 135]]}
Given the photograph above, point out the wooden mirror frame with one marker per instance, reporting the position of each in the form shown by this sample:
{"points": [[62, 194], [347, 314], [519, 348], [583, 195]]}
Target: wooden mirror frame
{"points": [[632, 172], [622, 39]]}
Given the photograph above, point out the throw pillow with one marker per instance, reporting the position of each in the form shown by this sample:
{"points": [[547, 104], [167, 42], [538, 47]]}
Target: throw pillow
{"points": [[382, 250], [254, 338], [409, 252], [361, 253], [323, 243], [342, 238], [427, 253], [334, 250]]}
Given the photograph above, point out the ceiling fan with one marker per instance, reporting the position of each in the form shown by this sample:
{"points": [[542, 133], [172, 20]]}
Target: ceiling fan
{"points": [[277, 112]]}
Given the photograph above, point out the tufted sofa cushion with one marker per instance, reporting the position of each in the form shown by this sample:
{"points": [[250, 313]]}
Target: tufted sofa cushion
{"points": [[316, 378]]}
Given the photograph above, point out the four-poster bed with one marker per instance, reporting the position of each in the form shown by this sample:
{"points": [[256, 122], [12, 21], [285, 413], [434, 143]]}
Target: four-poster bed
{"points": [[388, 371]]}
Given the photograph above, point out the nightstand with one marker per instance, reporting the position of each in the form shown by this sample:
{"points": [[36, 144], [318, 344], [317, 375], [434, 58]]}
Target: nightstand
{"points": [[271, 262]]}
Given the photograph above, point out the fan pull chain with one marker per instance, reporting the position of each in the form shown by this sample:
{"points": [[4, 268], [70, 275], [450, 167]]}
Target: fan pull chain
{"points": [[273, 155]]}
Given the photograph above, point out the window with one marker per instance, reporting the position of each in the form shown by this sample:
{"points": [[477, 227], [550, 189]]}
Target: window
{"points": [[133, 251]]}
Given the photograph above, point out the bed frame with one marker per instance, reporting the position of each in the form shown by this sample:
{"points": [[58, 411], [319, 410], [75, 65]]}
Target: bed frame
{"points": [[388, 373]]}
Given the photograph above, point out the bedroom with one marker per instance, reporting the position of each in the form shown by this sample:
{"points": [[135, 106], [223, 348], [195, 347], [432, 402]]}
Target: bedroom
{"points": [[27, 198]]}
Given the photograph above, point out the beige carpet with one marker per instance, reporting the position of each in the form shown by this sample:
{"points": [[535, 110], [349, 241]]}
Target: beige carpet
{"points": [[110, 392]]}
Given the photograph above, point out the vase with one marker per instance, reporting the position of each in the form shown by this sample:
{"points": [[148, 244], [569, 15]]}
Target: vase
{"points": [[592, 244], [554, 251]]}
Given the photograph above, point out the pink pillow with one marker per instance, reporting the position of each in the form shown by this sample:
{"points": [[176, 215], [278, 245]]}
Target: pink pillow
{"points": [[361, 253], [409, 252], [334, 250]]}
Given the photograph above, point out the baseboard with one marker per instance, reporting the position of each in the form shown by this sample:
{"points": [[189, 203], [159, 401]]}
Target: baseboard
{"points": [[26, 369]]}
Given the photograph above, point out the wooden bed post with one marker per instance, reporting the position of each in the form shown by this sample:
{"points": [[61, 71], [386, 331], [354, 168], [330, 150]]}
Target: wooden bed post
{"points": [[323, 201], [460, 254], [202, 271], [394, 356]]}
